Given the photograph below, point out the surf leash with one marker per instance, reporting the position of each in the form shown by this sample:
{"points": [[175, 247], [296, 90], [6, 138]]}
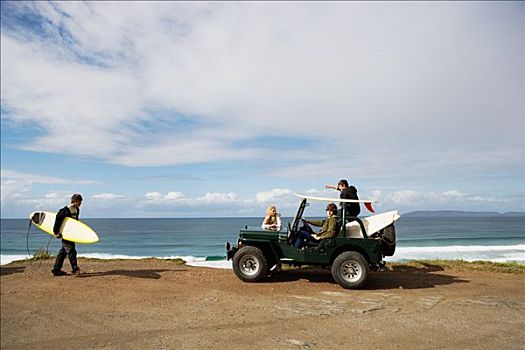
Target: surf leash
{"points": [[48, 242], [27, 240]]}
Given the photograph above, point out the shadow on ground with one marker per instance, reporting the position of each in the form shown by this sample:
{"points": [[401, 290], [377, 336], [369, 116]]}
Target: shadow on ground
{"points": [[411, 277], [9, 270], [406, 277], [151, 274]]}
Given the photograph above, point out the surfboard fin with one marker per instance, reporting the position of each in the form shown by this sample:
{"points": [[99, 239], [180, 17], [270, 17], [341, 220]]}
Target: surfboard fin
{"points": [[38, 218], [368, 206]]}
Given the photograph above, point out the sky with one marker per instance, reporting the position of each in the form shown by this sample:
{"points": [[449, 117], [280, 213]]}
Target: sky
{"points": [[183, 109]]}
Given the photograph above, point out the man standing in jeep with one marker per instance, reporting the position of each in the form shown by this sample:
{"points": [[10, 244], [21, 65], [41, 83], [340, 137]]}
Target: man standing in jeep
{"points": [[347, 192]]}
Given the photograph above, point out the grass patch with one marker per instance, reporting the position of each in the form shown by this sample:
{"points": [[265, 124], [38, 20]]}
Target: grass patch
{"points": [[44, 255], [178, 262], [41, 254], [478, 265]]}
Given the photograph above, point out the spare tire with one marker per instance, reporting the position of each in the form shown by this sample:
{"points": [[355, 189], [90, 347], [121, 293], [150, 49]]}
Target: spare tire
{"points": [[388, 240]]}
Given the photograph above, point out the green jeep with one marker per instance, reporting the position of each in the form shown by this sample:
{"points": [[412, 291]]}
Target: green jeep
{"points": [[259, 252]]}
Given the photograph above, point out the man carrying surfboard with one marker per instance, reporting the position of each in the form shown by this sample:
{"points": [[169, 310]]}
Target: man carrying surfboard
{"points": [[68, 248]]}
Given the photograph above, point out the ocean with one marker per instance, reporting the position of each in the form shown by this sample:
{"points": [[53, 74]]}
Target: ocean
{"points": [[201, 242]]}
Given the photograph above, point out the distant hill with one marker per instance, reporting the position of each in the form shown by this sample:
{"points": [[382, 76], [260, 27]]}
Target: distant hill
{"points": [[460, 213], [514, 213]]}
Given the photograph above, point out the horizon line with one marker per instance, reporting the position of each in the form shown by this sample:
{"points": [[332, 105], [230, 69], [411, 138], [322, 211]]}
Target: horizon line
{"points": [[256, 217]]}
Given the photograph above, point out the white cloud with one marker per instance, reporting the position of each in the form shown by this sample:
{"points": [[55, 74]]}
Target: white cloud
{"points": [[178, 204], [174, 196], [410, 200], [108, 196], [11, 188], [218, 198], [403, 200], [170, 197], [200, 147], [27, 203], [15, 184], [153, 196], [232, 69], [276, 195], [180, 198], [419, 94], [41, 179], [53, 195]]}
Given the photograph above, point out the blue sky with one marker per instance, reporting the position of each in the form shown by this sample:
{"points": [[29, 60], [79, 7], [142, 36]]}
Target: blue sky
{"points": [[219, 109]]}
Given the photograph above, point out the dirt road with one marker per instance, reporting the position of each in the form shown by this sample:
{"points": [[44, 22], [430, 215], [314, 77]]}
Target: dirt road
{"points": [[153, 304]]}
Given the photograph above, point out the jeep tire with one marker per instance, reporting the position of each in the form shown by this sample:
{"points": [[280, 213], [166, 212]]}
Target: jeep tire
{"points": [[350, 270], [250, 264]]}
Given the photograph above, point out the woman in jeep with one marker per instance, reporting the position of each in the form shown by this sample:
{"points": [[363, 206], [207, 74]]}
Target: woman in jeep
{"points": [[272, 220]]}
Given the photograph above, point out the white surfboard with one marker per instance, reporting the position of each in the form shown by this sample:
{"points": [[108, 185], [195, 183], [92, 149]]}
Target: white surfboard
{"points": [[72, 230], [326, 199], [372, 224], [366, 202]]}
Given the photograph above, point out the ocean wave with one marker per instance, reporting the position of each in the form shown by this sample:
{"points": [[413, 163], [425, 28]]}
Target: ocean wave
{"points": [[190, 260], [6, 259], [463, 248], [495, 253], [498, 253]]}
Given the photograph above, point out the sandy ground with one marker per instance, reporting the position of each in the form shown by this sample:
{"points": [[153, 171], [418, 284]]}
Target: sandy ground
{"points": [[152, 304]]}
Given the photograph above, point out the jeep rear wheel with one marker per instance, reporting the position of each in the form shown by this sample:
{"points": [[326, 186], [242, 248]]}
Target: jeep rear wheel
{"points": [[250, 264], [350, 270]]}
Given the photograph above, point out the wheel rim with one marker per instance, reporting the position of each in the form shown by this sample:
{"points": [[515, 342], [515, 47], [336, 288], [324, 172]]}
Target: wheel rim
{"points": [[351, 271], [249, 265]]}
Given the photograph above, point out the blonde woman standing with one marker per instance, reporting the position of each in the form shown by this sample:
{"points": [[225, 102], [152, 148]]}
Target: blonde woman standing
{"points": [[272, 220]]}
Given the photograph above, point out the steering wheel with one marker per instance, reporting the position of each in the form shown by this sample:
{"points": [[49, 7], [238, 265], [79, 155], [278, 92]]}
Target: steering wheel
{"points": [[307, 227]]}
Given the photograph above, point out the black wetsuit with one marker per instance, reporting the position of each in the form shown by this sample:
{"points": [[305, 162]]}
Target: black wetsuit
{"points": [[68, 248], [351, 209]]}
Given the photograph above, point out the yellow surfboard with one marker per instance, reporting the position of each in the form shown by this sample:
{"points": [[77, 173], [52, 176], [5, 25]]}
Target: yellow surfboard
{"points": [[71, 230]]}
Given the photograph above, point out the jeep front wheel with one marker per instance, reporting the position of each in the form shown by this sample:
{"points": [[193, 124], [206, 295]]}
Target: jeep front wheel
{"points": [[350, 270], [250, 264]]}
